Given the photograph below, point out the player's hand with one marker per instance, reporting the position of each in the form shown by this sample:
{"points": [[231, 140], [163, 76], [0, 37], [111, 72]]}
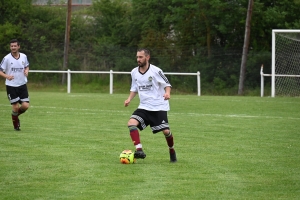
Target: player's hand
{"points": [[9, 77], [26, 73], [126, 103], [167, 96]]}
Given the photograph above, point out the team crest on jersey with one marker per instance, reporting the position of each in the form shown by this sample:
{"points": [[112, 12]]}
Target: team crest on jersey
{"points": [[23, 63], [150, 78]]}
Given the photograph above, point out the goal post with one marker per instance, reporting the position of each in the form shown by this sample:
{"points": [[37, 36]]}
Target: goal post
{"points": [[285, 76]]}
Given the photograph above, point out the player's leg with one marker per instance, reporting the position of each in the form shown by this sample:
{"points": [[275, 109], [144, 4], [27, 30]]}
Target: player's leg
{"points": [[136, 122], [14, 101], [135, 137], [24, 99], [24, 106], [159, 122], [14, 116], [170, 141], [134, 133]]}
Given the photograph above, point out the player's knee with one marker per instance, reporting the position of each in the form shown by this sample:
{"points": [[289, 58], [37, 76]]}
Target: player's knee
{"points": [[166, 132], [25, 106], [15, 107], [132, 122]]}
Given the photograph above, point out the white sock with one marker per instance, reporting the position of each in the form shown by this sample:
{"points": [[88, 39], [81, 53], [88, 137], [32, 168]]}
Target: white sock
{"points": [[138, 146]]}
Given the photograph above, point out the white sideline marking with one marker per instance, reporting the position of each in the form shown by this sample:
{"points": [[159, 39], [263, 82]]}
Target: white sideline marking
{"points": [[124, 112], [238, 116]]}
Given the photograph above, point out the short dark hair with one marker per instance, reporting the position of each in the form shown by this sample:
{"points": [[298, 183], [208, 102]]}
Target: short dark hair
{"points": [[147, 51], [15, 41]]}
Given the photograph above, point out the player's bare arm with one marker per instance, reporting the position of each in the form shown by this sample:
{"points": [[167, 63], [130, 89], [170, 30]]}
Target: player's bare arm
{"points": [[167, 94], [8, 77], [131, 96], [26, 70]]}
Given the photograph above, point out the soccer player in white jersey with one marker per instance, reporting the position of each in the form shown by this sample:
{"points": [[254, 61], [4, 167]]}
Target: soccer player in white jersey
{"points": [[14, 68], [153, 88]]}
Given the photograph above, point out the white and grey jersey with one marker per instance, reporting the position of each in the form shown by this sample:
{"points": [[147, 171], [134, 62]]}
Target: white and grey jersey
{"points": [[15, 67], [151, 88]]}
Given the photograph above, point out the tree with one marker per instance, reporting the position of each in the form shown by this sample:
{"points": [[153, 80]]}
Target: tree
{"points": [[183, 36], [112, 32], [67, 39], [14, 15], [245, 48]]}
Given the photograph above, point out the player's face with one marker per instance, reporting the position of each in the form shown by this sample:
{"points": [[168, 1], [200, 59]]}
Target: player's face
{"points": [[14, 47], [142, 59]]}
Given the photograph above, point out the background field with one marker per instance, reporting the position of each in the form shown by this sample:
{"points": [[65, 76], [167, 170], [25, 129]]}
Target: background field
{"points": [[227, 147]]}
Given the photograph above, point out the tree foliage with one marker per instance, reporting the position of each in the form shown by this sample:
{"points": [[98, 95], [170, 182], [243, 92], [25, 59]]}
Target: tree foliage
{"points": [[183, 36], [14, 15]]}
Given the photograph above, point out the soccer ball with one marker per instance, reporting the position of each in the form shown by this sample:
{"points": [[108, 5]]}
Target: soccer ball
{"points": [[127, 157]]}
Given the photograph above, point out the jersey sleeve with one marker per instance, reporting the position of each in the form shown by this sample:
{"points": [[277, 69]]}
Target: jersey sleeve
{"points": [[3, 64], [26, 62], [162, 79], [133, 87]]}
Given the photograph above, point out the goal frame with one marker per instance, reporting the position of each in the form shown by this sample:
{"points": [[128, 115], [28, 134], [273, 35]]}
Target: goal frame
{"points": [[273, 75]]}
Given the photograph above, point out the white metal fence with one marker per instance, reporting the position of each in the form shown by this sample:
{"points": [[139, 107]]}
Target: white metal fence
{"points": [[262, 75], [111, 73]]}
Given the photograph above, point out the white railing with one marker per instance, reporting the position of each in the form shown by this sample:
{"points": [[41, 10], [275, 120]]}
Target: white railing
{"points": [[111, 72], [262, 79], [262, 75]]}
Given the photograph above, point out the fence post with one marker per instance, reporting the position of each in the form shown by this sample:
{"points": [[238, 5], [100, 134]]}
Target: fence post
{"points": [[261, 81], [69, 81], [111, 80], [198, 83]]}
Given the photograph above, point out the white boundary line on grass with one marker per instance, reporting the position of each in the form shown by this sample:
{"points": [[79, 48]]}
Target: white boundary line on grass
{"points": [[238, 116], [92, 111]]}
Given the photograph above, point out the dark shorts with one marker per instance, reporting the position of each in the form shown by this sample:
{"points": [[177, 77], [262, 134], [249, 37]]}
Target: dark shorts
{"points": [[158, 120], [17, 94]]}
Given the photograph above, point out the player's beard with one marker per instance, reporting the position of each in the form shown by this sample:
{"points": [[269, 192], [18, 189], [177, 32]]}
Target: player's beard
{"points": [[142, 64]]}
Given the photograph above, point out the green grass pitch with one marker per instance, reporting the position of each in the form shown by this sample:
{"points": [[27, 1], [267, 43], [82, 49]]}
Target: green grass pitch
{"points": [[227, 148]]}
